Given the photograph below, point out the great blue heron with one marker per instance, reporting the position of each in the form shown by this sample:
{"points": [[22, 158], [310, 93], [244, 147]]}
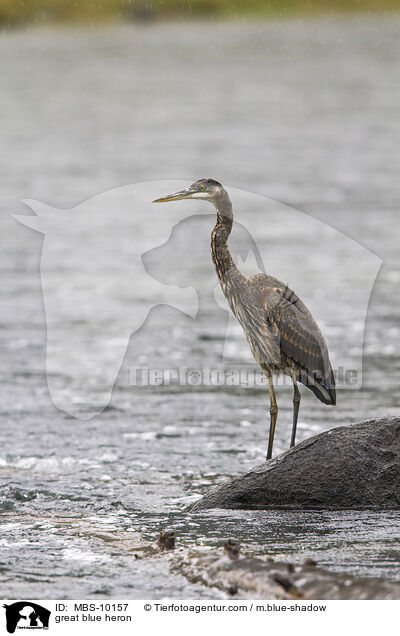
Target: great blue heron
{"points": [[282, 334]]}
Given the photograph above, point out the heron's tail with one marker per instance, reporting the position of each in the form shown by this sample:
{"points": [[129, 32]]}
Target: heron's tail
{"points": [[323, 388]]}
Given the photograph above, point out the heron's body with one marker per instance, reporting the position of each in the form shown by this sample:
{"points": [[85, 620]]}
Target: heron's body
{"points": [[281, 332], [243, 296]]}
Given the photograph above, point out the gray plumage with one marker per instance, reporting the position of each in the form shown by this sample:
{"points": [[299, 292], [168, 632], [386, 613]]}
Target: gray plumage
{"points": [[282, 334]]}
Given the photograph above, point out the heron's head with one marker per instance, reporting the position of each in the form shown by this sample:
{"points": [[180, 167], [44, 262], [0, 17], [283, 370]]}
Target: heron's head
{"points": [[207, 189]]}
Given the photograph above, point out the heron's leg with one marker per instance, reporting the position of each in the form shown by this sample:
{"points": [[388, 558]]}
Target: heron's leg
{"points": [[273, 409], [296, 406]]}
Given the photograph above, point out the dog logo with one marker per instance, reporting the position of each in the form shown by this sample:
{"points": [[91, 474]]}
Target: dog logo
{"points": [[26, 615]]}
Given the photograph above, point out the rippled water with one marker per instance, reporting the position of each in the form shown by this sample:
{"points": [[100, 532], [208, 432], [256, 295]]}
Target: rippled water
{"points": [[302, 112]]}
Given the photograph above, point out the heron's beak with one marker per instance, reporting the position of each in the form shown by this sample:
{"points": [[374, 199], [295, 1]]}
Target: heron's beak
{"points": [[177, 196]]}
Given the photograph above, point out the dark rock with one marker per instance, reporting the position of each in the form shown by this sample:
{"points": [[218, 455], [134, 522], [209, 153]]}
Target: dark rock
{"points": [[310, 563], [286, 583], [355, 466], [232, 549], [166, 540]]}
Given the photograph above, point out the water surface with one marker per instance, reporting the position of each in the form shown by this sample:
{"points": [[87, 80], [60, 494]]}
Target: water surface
{"points": [[302, 112]]}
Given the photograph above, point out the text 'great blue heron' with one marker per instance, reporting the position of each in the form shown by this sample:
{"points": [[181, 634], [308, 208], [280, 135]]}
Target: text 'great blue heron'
{"points": [[282, 334]]}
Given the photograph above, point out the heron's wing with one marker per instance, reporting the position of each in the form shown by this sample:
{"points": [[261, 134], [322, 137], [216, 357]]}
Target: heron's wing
{"points": [[299, 338]]}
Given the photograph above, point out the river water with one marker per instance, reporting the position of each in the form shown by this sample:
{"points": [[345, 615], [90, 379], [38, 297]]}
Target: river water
{"points": [[303, 112]]}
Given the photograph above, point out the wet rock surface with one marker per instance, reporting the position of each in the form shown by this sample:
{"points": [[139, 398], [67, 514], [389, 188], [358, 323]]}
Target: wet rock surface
{"points": [[349, 467], [263, 578], [232, 571]]}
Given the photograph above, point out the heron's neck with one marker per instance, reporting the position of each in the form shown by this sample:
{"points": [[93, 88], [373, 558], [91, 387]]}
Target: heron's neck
{"points": [[222, 258]]}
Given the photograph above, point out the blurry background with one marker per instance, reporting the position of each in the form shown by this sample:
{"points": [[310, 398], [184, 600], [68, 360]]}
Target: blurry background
{"points": [[14, 13], [298, 103]]}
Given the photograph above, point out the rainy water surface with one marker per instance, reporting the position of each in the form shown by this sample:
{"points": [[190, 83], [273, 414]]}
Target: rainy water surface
{"points": [[301, 112]]}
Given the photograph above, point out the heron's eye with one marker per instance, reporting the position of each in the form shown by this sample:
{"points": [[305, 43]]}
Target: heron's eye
{"points": [[202, 187]]}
